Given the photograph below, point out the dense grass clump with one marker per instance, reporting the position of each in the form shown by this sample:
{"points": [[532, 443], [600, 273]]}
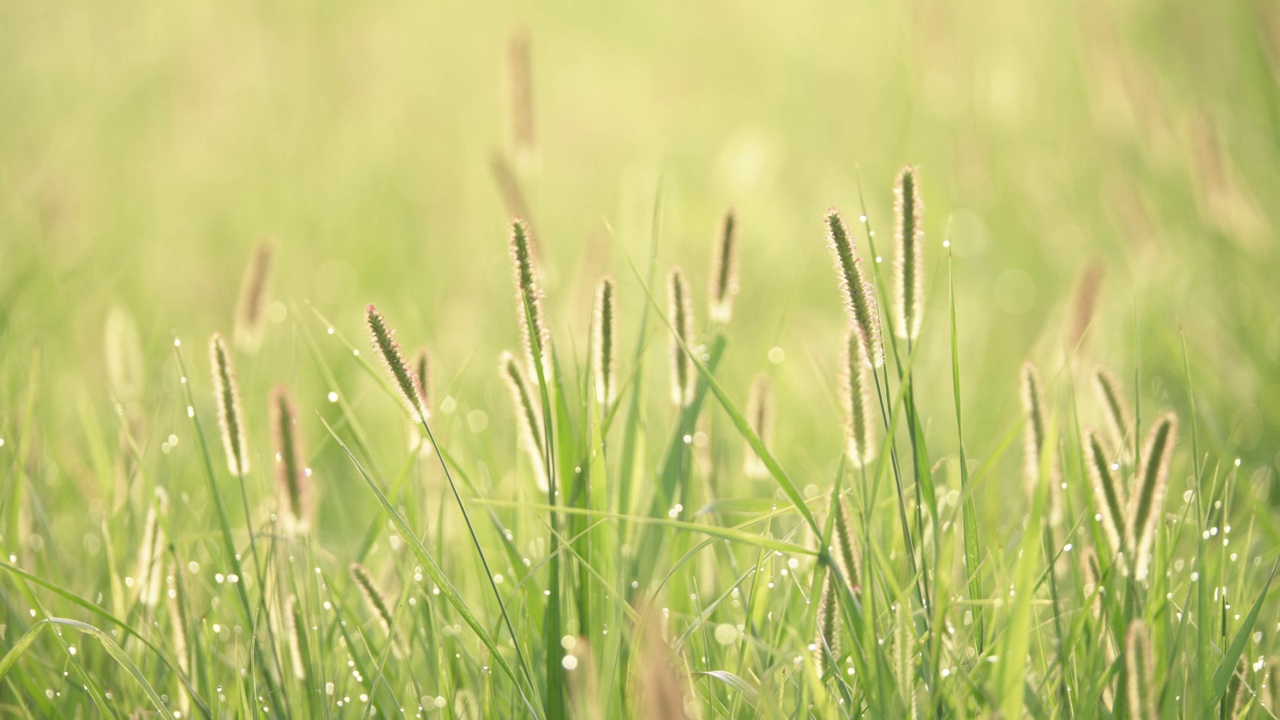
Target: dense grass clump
{"points": [[606, 553]]}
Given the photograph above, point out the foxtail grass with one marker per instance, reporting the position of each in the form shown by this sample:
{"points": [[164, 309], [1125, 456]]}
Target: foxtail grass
{"points": [[151, 551], [520, 70], [292, 476], [604, 344], [1109, 496], [827, 639], [255, 294], [859, 296], [1139, 666], [857, 386], [680, 316], [1146, 504], [384, 343], [848, 553], [530, 314], [377, 603], [295, 632], [909, 255], [1115, 409], [760, 416], [528, 412], [722, 283], [230, 417]]}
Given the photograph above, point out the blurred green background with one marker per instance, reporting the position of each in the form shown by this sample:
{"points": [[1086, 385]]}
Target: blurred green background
{"points": [[146, 148]]}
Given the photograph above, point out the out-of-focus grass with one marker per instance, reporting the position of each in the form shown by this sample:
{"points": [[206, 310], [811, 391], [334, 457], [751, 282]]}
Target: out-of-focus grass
{"points": [[145, 149]]}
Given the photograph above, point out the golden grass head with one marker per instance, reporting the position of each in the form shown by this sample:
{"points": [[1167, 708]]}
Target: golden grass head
{"points": [[384, 344], [760, 416], [680, 315], [1109, 497], [1139, 667], [859, 296], [604, 343], [827, 638], [255, 294], [422, 380], [722, 283], [857, 386], [230, 417], [293, 478], [1115, 408], [377, 603], [909, 255], [1146, 505]]}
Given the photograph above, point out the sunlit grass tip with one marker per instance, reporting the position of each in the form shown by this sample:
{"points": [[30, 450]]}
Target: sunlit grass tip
{"points": [[377, 603], [1146, 505], [760, 417], [904, 655], [528, 416], [1109, 497], [384, 344], [1139, 668], [909, 257], [604, 343], [856, 398], [422, 380], [722, 283], [1115, 409], [150, 552], [680, 315], [230, 416], [295, 630], [293, 478], [848, 553], [859, 296], [529, 304], [255, 294]]}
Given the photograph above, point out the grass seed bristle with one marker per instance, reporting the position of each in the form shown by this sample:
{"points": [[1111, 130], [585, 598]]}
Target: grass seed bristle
{"points": [[604, 344], [255, 293], [848, 552], [827, 638], [859, 296], [377, 603], [292, 476], [230, 416], [1119, 420], [680, 315], [528, 416], [723, 281], [856, 397], [1139, 672], [422, 380], [909, 259], [151, 551], [904, 655], [1146, 504]]}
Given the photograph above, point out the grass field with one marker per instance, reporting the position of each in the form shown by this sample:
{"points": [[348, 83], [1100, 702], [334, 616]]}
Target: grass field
{"points": [[298, 419]]}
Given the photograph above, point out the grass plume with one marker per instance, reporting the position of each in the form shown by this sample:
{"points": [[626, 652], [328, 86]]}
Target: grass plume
{"points": [[857, 386], [377, 603], [292, 476], [1119, 420], [909, 257], [604, 344], [230, 417], [827, 638], [1109, 496], [760, 417], [528, 412], [680, 315], [255, 294], [859, 296], [1146, 504], [529, 305], [722, 284], [384, 344], [1139, 668]]}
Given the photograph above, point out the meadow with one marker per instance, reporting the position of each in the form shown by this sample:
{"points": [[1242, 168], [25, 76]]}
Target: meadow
{"points": [[689, 360]]}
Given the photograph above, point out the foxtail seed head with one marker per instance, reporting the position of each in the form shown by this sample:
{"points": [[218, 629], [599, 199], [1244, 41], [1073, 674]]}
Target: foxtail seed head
{"points": [[904, 654], [859, 299], [856, 389], [520, 68], [294, 626], [723, 283], [528, 416], [292, 477], [680, 315], [178, 618], [227, 395], [760, 417], [1033, 408], [848, 554], [604, 344], [384, 343], [828, 635], [909, 260], [1147, 503], [150, 552], [530, 315], [422, 380], [377, 603], [255, 292], [1115, 407], [1139, 672], [1109, 497]]}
